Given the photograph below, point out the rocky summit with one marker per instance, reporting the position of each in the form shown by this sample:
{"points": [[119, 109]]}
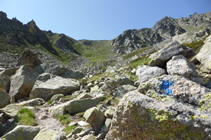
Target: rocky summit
{"points": [[147, 84]]}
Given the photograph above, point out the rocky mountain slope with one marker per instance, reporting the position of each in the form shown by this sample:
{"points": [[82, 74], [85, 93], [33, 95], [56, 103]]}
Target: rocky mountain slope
{"points": [[131, 44], [163, 90], [189, 29]]}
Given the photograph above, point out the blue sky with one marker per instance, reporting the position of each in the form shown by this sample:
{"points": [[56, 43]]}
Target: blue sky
{"points": [[99, 19]]}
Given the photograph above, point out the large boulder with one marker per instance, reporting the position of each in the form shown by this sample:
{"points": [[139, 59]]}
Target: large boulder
{"points": [[76, 106], [21, 132], [204, 55], [28, 57], [4, 98], [180, 89], [48, 134], [22, 82], [48, 85], [144, 73], [162, 56], [138, 117], [179, 65], [95, 118]]}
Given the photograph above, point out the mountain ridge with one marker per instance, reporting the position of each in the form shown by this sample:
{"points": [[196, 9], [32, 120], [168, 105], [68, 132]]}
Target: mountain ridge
{"points": [[16, 36]]}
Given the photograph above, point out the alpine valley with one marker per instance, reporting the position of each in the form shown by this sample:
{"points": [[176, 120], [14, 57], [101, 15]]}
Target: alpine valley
{"points": [[145, 84]]}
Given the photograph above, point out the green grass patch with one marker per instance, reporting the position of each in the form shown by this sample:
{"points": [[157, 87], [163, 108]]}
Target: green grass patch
{"points": [[50, 102], [127, 56], [69, 129], [64, 119], [94, 51], [26, 117], [197, 45], [139, 61]]}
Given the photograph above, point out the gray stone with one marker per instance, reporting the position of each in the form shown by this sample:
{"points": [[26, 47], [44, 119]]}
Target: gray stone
{"points": [[21, 132], [47, 134], [95, 88], [179, 65], [76, 106], [54, 85], [162, 56], [95, 118], [204, 55], [144, 73], [109, 113], [110, 70], [22, 82], [58, 110], [89, 85], [32, 102]]}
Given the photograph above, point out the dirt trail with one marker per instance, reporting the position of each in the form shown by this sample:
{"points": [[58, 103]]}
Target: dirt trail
{"points": [[44, 119]]}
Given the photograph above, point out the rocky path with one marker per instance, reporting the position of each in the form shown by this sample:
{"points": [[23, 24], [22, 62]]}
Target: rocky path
{"points": [[44, 119]]}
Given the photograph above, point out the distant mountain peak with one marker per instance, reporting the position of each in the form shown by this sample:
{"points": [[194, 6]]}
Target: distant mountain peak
{"points": [[32, 27], [3, 15]]}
